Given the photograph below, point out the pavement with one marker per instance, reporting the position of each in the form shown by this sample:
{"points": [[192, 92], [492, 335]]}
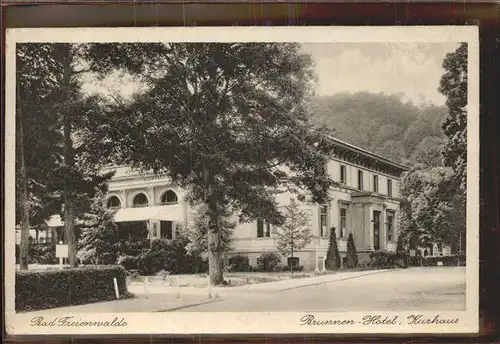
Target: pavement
{"points": [[389, 289], [414, 289]]}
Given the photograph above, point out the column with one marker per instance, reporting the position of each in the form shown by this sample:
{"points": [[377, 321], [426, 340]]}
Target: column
{"points": [[368, 224], [383, 229], [123, 196], [151, 195]]}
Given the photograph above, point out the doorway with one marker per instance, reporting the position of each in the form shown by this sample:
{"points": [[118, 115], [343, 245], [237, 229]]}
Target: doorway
{"points": [[376, 230]]}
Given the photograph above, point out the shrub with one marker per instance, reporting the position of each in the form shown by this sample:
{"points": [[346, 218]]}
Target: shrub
{"points": [[297, 268], [383, 259], [351, 255], [68, 287], [433, 260], [42, 253], [128, 262], [293, 262], [268, 262], [171, 256], [332, 261], [239, 263]]}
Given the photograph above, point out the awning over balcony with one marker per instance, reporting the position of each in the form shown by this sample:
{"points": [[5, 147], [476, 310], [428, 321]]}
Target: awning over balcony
{"points": [[163, 213], [55, 221]]}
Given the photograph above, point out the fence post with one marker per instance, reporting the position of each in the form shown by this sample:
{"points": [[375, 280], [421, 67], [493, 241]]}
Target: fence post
{"points": [[117, 292], [177, 285], [209, 287], [146, 286]]}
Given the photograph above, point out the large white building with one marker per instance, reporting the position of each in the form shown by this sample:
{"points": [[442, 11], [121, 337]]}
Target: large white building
{"points": [[365, 203]]}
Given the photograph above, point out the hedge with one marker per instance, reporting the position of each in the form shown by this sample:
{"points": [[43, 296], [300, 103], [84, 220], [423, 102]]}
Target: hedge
{"points": [[68, 287], [451, 260], [388, 260]]}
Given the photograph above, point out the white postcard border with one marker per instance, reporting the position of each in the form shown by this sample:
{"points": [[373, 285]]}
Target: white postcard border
{"points": [[275, 322]]}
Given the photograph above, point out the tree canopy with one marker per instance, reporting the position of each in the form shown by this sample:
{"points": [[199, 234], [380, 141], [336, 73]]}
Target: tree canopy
{"points": [[454, 85], [227, 122]]}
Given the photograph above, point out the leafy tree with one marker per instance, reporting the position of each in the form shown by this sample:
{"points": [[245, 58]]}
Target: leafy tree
{"points": [[429, 204], [295, 233], [351, 255], [428, 152], [62, 155], [400, 247], [228, 122], [197, 232], [453, 85], [36, 139], [332, 256], [99, 237]]}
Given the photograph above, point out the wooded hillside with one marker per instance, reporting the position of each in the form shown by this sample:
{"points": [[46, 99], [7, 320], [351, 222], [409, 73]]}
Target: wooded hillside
{"points": [[383, 124]]}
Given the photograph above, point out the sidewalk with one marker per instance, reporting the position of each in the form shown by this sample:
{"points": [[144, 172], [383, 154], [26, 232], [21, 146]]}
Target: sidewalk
{"points": [[162, 298]]}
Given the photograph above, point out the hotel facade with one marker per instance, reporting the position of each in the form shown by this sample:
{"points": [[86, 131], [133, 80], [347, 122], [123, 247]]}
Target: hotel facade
{"points": [[365, 202]]}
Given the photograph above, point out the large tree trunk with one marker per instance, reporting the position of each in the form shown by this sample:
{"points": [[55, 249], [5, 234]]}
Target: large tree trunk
{"points": [[215, 263], [69, 161], [23, 195]]}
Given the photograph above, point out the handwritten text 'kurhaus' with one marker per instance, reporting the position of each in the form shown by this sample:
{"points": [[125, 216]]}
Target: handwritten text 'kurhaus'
{"points": [[414, 319]]}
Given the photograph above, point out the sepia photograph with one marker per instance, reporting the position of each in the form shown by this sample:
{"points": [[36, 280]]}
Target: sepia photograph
{"points": [[276, 179]]}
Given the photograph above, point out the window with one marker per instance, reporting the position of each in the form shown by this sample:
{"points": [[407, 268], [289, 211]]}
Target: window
{"points": [[389, 187], [169, 197], [114, 202], [375, 183], [263, 229], [360, 180], [166, 229], [140, 200], [322, 220], [343, 222], [154, 230], [390, 226], [343, 175]]}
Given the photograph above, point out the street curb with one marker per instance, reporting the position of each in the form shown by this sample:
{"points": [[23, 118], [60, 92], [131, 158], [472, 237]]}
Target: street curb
{"points": [[188, 306], [337, 280]]}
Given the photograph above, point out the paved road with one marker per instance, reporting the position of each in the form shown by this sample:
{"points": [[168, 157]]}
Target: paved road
{"points": [[424, 289]]}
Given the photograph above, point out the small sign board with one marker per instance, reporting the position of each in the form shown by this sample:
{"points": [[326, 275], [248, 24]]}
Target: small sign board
{"points": [[61, 251], [412, 253], [440, 263]]}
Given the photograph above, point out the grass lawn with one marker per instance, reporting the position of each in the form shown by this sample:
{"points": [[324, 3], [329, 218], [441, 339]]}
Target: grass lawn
{"points": [[233, 279]]}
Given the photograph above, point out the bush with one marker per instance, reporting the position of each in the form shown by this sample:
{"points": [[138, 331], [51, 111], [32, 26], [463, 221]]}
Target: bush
{"points": [[293, 262], [297, 268], [452, 260], [68, 287], [383, 259], [128, 262], [239, 263], [268, 262], [42, 253], [351, 255], [332, 261], [171, 256]]}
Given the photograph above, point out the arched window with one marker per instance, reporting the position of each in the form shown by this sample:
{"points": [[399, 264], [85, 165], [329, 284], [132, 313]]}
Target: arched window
{"points": [[114, 202], [169, 197], [140, 200]]}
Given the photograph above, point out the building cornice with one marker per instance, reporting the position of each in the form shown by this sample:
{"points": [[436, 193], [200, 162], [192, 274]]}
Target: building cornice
{"points": [[362, 157]]}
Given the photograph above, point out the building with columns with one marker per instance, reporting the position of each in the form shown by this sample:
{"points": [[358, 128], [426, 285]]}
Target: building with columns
{"points": [[365, 203]]}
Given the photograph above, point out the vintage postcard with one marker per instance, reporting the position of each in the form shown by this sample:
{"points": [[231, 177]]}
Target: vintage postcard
{"points": [[242, 180]]}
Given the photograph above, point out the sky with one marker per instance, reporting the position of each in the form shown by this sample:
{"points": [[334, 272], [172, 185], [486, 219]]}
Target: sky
{"points": [[412, 70]]}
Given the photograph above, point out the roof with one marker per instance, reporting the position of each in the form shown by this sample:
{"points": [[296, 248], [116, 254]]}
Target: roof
{"points": [[124, 172], [380, 160]]}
